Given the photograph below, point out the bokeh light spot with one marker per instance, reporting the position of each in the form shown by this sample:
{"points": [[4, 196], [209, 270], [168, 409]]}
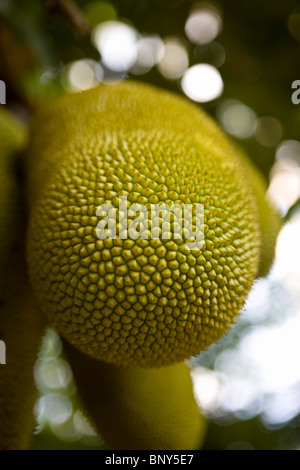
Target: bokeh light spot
{"points": [[82, 424], [202, 83], [149, 50], [203, 25], [236, 118], [66, 431], [51, 344], [288, 153], [82, 75], [284, 189], [287, 262], [53, 374], [54, 407], [206, 386], [173, 60], [268, 131], [261, 346], [116, 41]]}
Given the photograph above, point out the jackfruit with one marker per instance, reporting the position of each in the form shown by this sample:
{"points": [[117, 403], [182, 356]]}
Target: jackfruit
{"points": [[139, 408], [21, 328], [146, 302], [20, 321]]}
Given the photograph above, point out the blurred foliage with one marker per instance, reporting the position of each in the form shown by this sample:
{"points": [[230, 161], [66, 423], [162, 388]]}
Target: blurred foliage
{"points": [[261, 54], [262, 60]]}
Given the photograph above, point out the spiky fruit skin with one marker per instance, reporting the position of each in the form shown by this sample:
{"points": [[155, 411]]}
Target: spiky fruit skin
{"points": [[21, 323], [139, 409], [137, 302]]}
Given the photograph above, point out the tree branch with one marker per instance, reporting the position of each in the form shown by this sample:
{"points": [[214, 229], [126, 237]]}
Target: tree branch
{"points": [[72, 12]]}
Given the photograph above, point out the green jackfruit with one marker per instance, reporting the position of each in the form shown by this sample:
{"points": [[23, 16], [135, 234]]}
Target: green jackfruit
{"points": [[140, 409], [20, 321], [138, 302], [21, 327]]}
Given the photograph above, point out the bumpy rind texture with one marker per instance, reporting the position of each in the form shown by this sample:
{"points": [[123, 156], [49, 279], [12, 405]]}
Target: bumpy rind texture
{"points": [[139, 409], [137, 302], [21, 323]]}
